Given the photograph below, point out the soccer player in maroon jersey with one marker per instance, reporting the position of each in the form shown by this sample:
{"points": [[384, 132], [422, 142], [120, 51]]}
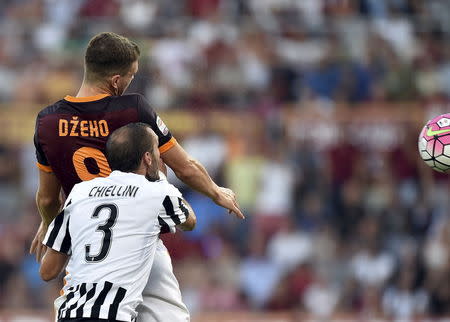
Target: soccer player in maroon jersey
{"points": [[71, 134]]}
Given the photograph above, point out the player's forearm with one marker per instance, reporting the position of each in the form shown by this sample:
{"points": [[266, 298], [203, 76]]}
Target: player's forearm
{"points": [[196, 177], [52, 264], [48, 208]]}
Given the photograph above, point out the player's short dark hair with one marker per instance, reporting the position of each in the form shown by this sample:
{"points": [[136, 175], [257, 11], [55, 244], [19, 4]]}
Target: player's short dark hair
{"points": [[109, 54], [127, 145]]}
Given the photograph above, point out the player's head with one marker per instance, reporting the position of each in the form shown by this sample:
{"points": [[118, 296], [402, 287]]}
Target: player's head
{"points": [[134, 148], [110, 62]]}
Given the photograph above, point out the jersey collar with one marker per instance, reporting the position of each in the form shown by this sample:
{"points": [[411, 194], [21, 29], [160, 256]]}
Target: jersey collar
{"points": [[85, 99]]}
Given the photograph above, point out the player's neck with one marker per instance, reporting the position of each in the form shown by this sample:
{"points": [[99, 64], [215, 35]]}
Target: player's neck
{"points": [[87, 90], [141, 170]]}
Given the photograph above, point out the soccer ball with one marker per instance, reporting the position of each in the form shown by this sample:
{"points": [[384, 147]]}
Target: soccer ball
{"points": [[434, 143]]}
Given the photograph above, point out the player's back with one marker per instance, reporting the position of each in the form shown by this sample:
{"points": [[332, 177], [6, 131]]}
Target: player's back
{"points": [[113, 228], [71, 135], [117, 217]]}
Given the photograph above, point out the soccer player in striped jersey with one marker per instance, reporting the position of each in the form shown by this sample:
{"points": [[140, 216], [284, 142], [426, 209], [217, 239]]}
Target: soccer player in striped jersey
{"points": [[108, 231]]}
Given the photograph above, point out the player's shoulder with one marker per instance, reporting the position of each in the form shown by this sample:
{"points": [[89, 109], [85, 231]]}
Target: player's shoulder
{"points": [[161, 186], [166, 188], [51, 109], [125, 101], [135, 98]]}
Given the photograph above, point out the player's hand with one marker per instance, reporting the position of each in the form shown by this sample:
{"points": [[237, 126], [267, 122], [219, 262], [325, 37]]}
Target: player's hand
{"points": [[36, 245], [227, 199]]}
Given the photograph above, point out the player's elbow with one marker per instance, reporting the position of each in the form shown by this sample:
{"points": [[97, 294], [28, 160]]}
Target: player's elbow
{"points": [[46, 202], [190, 222], [191, 226], [46, 277], [187, 171], [47, 274]]}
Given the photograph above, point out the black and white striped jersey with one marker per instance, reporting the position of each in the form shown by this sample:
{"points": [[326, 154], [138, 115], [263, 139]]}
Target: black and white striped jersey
{"points": [[110, 227]]}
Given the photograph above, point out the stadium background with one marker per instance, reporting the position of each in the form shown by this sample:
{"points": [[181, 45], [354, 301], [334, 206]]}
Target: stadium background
{"points": [[308, 109]]}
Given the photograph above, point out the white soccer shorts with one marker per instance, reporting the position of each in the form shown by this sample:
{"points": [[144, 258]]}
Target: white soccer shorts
{"points": [[162, 300]]}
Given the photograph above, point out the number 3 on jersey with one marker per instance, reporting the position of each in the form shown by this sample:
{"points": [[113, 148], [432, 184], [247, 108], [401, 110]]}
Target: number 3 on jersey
{"points": [[106, 230], [90, 163]]}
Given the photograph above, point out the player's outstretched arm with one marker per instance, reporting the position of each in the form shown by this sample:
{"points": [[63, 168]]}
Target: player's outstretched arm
{"points": [[48, 204], [194, 174]]}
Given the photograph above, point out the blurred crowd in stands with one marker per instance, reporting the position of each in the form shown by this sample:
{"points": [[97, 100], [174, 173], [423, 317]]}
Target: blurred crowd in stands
{"points": [[340, 227]]}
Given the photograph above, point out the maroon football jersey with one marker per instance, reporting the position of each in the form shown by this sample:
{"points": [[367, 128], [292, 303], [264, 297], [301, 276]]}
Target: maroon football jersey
{"points": [[70, 135]]}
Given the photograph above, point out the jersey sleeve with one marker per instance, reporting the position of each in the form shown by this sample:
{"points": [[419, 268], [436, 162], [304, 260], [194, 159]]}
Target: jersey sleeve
{"points": [[58, 235], [149, 116], [173, 211], [42, 162]]}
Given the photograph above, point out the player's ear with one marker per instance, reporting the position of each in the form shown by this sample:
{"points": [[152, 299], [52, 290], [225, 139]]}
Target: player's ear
{"points": [[115, 81], [147, 158]]}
